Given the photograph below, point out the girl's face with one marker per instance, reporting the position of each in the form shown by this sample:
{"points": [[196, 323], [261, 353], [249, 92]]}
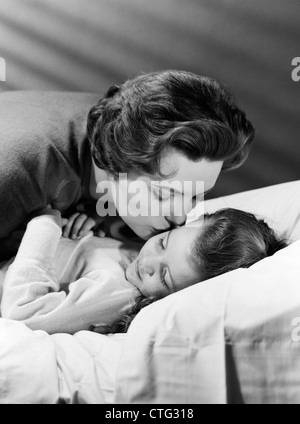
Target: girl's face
{"points": [[162, 266], [165, 203]]}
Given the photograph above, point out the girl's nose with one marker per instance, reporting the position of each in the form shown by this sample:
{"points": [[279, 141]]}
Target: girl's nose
{"points": [[147, 266]]}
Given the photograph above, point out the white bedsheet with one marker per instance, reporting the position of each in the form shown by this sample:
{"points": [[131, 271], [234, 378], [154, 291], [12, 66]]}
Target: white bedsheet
{"points": [[42, 369]]}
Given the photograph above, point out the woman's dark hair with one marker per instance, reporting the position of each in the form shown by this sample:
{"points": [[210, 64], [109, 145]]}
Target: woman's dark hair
{"points": [[229, 239], [135, 123]]}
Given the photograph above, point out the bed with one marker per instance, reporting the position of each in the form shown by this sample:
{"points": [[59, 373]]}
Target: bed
{"points": [[234, 339]]}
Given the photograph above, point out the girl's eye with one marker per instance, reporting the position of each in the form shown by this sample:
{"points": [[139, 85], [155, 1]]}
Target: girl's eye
{"points": [[163, 281], [161, 242]]}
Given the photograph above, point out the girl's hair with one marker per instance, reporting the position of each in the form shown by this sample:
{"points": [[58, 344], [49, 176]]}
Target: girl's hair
{"points": [[229, 239], [232, 239], [135, 123], [121, 326]]}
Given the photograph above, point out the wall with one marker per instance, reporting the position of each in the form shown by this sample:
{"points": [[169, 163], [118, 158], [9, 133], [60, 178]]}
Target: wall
{"points": [[87, 45]]}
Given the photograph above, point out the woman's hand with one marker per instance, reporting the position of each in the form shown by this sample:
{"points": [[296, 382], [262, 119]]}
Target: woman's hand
{"points": [[80, 224]]}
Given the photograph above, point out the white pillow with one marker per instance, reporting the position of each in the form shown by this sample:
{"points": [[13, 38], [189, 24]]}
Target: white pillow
{"points": [[279, 205]]}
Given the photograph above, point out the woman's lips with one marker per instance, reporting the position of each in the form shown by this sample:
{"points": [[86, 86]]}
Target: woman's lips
{"points": [[157, 232]]}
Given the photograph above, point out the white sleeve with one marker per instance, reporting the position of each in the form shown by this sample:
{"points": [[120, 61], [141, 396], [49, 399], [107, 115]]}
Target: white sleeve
{"points": [[97, 299], [31, 286]]}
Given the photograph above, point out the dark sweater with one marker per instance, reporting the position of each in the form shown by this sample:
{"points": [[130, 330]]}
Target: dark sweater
{"points": [[44, 156]]}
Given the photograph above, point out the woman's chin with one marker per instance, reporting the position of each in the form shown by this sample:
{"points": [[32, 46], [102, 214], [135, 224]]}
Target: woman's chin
{"points": [[144, 232]]}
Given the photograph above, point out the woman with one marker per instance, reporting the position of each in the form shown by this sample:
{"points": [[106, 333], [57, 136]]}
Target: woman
{"points": [[158, 129], [61, 285], [166, 127]]}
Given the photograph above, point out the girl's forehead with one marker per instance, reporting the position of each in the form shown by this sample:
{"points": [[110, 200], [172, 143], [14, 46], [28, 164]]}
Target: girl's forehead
{"points": [[184, 236]]}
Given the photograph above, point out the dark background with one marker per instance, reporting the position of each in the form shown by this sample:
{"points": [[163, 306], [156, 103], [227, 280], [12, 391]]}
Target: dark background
{"points": [[88, 45]]}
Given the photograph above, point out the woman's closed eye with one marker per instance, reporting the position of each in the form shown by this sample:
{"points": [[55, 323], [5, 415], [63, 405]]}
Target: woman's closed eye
{"points": [[164, 195]]}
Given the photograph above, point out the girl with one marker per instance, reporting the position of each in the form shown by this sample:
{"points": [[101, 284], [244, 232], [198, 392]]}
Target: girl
{"points": [[61, 285]]}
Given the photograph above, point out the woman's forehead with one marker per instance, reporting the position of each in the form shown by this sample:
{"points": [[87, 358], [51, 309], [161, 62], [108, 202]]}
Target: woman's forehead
{"points": [[183, 175], [182, 169]]}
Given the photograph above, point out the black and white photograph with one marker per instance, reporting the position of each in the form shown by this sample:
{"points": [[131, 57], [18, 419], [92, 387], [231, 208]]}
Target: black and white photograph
{"points": [[149, 204]]}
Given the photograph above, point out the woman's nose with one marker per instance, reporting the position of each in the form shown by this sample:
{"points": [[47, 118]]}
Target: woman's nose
{"points": [[176, 221]]}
